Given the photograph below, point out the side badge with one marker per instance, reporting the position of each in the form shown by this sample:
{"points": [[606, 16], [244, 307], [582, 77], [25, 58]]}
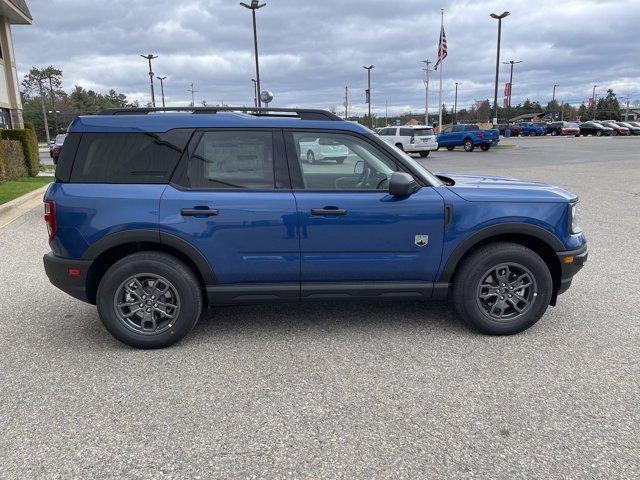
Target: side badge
{"points": [[422, 240]]}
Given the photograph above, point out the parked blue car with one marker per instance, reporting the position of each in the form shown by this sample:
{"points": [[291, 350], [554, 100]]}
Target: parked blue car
{"points": [[468, 136], [153, 216], [530, 129]]}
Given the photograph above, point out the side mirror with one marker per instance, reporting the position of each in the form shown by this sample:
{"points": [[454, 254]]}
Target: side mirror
{"points": [[358, 168], [402, 184]]}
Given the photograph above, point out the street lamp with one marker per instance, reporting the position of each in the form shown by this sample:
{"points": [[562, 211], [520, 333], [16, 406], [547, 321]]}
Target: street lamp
{"points": [[495, 93], [255, 92], [162, 79], [426, 93], [455, 105], [253, 7], [150, 57], [368, 96], [593, 101], [553, 98], [512, 63]]}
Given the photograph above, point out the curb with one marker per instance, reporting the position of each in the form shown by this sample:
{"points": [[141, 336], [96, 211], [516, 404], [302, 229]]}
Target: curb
{"points": [[18, 206]]}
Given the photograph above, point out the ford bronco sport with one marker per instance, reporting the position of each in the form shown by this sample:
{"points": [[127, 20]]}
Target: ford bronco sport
{"points": [[156, 213]]}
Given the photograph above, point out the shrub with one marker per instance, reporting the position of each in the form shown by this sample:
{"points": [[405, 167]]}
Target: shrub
{"points": [[27, 137], [12, 164]]}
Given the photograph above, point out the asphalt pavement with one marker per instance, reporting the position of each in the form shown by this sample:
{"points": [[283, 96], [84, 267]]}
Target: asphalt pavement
{"points": [[343, 390]]}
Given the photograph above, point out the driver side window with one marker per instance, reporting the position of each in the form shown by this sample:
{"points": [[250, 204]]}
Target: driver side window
{"points": [[336, 161]]}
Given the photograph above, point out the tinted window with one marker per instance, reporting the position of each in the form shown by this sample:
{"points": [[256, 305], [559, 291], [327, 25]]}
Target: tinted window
{"points": [[335, 161], [233, 159], [447, 130], [472, 128], [423, 132], [406, 132], [388, 131], [128, 157], [456, 128]]}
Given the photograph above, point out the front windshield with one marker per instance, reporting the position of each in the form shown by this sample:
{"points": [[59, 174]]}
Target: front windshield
{"points": [[428, 176]]}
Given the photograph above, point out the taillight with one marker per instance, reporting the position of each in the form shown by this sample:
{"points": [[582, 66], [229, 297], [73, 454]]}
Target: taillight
{"points": [[481, 134], [413, 140], [50, 218]]}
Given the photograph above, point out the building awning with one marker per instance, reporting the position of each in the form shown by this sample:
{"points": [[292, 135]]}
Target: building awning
{"points": [[16, 11]]}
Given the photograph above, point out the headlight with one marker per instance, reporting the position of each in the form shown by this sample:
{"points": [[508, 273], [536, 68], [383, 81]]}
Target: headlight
{"points": [[575, 220]]}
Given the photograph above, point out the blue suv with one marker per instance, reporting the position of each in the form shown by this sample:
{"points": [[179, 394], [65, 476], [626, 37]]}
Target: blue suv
{"points": [[156, 214]]}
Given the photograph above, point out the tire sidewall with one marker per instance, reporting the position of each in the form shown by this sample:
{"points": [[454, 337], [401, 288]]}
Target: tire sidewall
{"points": [[171, 269], [468, 146], [466, 301]]}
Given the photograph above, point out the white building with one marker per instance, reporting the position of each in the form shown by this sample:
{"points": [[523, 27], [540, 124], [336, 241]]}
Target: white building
{"points": [[12, 12]]}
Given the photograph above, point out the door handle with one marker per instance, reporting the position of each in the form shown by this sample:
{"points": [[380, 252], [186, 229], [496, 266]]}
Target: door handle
{"points": [[328, 211], [192, 212]]}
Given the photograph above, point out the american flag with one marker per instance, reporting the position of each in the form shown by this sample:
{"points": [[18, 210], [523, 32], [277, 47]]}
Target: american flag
{"points": [[442, 49]]}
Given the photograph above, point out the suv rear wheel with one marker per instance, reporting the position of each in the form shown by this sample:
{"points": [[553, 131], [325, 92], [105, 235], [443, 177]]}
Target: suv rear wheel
{"points": [[149, 300], [502, 288]]}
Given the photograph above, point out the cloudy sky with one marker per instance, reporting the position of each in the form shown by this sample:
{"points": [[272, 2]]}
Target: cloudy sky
{"points": [[311, 49]]}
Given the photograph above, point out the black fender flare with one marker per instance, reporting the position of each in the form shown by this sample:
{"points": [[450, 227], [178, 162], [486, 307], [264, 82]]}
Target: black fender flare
{"points": [[153, 236], [517, 228]]}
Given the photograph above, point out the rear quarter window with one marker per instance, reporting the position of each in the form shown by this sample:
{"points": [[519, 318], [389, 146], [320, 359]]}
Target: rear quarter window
{"points": [[128, 157], [423, 132], [471, 128]]}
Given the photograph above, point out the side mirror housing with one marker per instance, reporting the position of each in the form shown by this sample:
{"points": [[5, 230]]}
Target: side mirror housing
{"points": [[402, 184]]}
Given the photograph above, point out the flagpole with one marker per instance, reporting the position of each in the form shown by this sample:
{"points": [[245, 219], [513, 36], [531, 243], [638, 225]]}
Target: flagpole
{"points": [[441, 65]]}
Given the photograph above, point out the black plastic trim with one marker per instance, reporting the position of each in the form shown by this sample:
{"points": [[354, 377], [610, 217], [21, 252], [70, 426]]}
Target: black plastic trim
{"points": [[347, 290], [233, 294], [57, 269], [499, 229], [570, 269]]}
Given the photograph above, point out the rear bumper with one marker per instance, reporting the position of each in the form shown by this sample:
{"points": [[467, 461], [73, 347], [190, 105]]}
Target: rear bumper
{"points": [[571, 262], [412, 147], [57, 269]]}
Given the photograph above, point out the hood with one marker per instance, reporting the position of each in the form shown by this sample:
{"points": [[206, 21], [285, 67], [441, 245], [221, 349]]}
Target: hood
{"points": [[492, 188]]}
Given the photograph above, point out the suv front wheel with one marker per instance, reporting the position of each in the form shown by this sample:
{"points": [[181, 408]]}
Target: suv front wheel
{"points": [[502, 288], [149, 300]]}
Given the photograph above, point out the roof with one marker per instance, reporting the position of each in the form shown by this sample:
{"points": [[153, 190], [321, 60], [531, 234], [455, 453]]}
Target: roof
{"points": [[16, 11], [162, 122]]}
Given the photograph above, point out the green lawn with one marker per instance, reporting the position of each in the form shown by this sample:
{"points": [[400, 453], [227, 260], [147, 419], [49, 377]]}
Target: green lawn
{"points": [[15, 188]]}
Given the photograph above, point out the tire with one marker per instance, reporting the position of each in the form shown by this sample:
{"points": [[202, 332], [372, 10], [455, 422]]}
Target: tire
{"points": [[614, 133], [399, 145], [424, 154], [340, 160], [598, 133], [577, 135], [450, 148], [485, 148], [477, 311], [554, 133], [311, 158], [468, 145], [184, 293]]}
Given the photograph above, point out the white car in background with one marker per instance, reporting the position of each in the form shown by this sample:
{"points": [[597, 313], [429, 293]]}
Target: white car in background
{"points": [[411, 138], [323, 149]]}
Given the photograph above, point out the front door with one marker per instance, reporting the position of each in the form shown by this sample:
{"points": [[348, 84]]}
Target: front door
{"points": [[351, 229], [231, 199]]}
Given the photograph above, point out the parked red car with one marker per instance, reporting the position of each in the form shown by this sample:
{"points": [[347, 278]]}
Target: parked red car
{"points": [[617, 129], [56, 147], [563, 128]]}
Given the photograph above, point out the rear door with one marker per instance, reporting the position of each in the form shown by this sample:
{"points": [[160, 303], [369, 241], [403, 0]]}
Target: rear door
{"points": [[424, 136], [231, 199]]}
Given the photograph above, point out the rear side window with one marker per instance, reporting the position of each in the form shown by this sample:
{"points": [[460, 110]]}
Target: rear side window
{"points": [[233, 159], [471, 128], [128, 157], [406, 132], [456, 128]]}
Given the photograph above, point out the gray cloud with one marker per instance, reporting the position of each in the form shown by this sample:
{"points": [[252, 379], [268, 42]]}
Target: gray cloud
{"points": [[311, 49]]}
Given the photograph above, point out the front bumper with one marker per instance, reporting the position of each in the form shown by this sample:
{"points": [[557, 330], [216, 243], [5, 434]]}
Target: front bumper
{"points": [[59, 270], [571, 262]]}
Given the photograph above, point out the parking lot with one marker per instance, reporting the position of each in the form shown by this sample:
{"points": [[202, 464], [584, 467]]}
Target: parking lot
{"points": [[343, 390]]}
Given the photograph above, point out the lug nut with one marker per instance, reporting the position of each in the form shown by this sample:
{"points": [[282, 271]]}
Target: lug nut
{"points": [[142, 304], [148, 309], [155, 305]]}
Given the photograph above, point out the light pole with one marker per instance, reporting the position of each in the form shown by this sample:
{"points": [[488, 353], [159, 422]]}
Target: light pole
{"points": [[162, 79], [53, 105], [553, 97], [368, 69], [426, 93], [255, 92], [495, 93], [150, 57], [455, 105], [593, 101], [253, 7], [193, 96], [512, 63]]}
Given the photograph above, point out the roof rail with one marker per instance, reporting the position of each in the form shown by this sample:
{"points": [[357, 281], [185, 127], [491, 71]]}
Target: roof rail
{"points": [[303, 113]]}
